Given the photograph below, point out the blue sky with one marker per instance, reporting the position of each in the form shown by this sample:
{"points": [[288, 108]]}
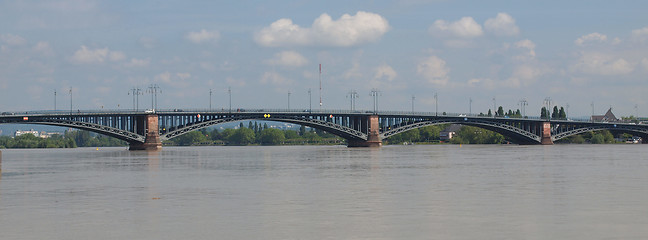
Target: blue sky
{"points": [[574, 52]]}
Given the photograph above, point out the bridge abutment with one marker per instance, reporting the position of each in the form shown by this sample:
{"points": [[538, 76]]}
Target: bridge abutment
{"points": [[373, 136], [546, 134], [152, 140]]}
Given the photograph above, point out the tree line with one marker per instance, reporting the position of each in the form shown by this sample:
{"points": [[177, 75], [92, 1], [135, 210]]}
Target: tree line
{"points": [[254, 134], [70, 139]]}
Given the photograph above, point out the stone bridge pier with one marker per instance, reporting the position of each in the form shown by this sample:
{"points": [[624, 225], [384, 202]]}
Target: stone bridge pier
{"points": [[546, 134], [373, 136], [150, 127]]}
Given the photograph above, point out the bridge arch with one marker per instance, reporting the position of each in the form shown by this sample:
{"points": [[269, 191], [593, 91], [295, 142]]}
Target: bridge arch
{"points": [[328, 126], [561, 134], [120, 134], [516, 134]]}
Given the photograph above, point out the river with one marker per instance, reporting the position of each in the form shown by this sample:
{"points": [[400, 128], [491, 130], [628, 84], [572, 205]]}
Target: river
{"points": [[327, 192]]}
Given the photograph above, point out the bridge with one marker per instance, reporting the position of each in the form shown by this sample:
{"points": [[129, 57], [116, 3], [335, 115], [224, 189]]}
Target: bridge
{"points": [[145, 130]]}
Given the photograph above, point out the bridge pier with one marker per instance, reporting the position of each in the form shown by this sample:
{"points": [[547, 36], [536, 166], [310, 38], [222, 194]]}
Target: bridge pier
{"points": [[373, 136], [546, 134], [152, 140]]}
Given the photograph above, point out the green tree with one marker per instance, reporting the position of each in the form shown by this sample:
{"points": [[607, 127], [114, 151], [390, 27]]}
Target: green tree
{"points": [[272, 136], [242, 136], [597, 139], [302, 130], [190, 138], [543, 113], [562, 114], [500, 111], [555, 113]]}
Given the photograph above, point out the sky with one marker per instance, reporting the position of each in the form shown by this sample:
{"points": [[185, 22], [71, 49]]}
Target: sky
{"points": [[588, 55]]}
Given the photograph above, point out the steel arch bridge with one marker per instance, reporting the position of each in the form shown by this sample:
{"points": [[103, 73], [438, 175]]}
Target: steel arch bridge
{"points": [[147, 130]]}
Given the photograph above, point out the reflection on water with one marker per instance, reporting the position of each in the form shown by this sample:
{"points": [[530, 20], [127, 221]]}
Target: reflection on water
{"points": [[334, 192]]}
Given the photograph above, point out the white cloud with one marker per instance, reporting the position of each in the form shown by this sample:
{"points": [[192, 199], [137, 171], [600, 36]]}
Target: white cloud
{"points": [[287, 59], [601, 64], [385, 72], [640, 35], [147, 42], [525, 44], [134, 62], [502, 25], [274, 78], [347, 31], [434, 70], [592, 37], [116, 56], [202, 36], [644, 63], [164, 77], [90, 56], [466, 27], [43, 48], [11, 39], [523, 75]]}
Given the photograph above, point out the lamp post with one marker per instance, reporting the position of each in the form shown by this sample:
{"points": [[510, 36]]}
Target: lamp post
{"points": [[70, 100], [374, 94], [494, 108], [547, 102], [436, 103], [523, 104], [210, 99], [310, 101], [229, 91], [54, 100], [288, 99], [413, 97], [470, 107], [352, 94], [154, 89]]}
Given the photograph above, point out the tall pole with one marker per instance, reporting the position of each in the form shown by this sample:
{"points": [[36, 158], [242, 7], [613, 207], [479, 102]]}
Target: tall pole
{"points": [[70, 100], [413, 97], [547, 103], [210, 97], [592, 111], [436, 104], [320, 85], [469, 106], [636, 111], [374, 94], [310, 101], [494, 108], [154, 89], [54, 100], [135, 92], [229, 91], [288, 99], [523, 104], [352, 95], [567, 112]]}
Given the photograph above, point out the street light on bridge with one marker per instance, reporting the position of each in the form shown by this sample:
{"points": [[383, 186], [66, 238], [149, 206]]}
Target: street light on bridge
{"points": [[523, 103], [352, 95], [375, 93], [70, 100]]}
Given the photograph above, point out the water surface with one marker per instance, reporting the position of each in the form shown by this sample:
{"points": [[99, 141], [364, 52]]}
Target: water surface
{"points": [[327, 192]]}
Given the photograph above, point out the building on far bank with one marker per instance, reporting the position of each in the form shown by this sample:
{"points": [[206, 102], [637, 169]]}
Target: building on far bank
{"points": [[19, 133], [608, 117], [449, 132]]}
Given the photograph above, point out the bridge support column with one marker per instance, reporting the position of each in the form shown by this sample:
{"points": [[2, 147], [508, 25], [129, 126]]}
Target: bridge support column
{"points": [[546, 134], [152, 140], [373, 138]]}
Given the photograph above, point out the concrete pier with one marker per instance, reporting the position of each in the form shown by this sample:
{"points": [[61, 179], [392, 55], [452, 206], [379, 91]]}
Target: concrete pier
{"points": [[546, 134], [152, 140], [373, 138]]}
